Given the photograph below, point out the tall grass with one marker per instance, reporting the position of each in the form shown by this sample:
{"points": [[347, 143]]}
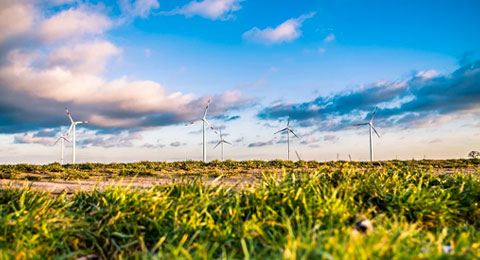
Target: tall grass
{"points": [[294, 215]]}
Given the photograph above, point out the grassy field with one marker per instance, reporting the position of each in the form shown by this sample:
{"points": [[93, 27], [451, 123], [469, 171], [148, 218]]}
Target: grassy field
{"points": [[301, 210]]}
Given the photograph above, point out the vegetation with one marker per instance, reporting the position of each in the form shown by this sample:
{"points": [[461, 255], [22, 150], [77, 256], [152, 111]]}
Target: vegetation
{"points": [[474, 154], [213, 168], [416, 213]]}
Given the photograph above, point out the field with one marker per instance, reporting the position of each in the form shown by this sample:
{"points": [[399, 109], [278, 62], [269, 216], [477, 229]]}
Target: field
{"points": [[292, 210]]}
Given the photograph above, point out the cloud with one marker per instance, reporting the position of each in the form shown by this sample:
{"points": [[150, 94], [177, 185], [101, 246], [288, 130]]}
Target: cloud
{"points": [[211, 9], [16, 17], [226, 117], [140, 8], [330, 138], [48, 132], [310, 140], [74, 23], [32, 139], [285, 32], [434, 141], [239, 140], [329, 38], [90, 57], [176, 144], [93, 138], [153, 146], [39, 78], [260, 144], [422, 100]]}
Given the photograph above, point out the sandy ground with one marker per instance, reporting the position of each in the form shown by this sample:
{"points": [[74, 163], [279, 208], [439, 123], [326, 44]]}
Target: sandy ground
{"points": [[59, 186]]}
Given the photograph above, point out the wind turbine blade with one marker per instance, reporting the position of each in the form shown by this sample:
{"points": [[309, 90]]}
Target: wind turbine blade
{"points": [[294, 134], [227, 142], [217, 144], [66, 139], [298, 156], [280, 130], [375, 130], [288, 123], [194, 122], [81, 122], [211, 127], [206, 109], [68, 114], [58, 139], [373, 114], [360, 124], [69, 129]]}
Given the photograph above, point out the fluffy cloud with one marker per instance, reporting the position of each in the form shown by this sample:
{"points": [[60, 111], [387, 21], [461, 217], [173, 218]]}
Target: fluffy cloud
{"points": [[423, 100], [285, 32], [211, 9], [74, 23], [141, 8], [32, 139], [39, 78], [15, 18]]}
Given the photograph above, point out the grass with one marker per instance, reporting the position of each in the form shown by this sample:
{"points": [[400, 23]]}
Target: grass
{"points": [[213, 168], [292, 215]]}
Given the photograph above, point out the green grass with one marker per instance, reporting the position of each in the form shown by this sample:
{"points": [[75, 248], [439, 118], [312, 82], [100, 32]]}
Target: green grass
{"points": [[294, 215], [213, 168]]}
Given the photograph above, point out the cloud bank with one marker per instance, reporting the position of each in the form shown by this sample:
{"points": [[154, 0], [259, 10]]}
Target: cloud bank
{"points": [[59, 61], [425, 99]]}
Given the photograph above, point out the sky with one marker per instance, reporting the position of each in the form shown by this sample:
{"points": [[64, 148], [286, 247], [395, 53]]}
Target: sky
{"points": [[139, 70]]}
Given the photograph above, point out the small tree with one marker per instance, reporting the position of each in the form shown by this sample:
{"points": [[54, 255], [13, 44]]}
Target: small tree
{"points": [[474, 154]]}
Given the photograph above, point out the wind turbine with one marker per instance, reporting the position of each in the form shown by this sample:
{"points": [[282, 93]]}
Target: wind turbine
{"points": [[298, 155], [371, 127], [204, 121], [289, 130], [72, 128], [62, 140], [221, 142]]}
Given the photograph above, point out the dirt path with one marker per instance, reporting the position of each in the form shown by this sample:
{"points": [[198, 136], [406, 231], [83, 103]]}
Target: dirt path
{"points": [[59, 186]]}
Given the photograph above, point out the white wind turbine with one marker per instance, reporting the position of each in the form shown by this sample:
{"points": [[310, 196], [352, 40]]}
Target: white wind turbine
{"points": [[371, 127], [289, 130], [221, 142], [72, 128], [62, 140], [204, 121]]}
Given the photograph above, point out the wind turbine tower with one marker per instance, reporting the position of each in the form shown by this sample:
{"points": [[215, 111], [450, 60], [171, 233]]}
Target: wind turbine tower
{"points": [[289, 130], [204, 121], [221, 142], [73, 128], [62, 140], [371, 128]]}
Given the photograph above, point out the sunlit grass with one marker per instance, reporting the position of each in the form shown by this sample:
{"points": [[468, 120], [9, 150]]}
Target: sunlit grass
{"points": [[292, 215]]}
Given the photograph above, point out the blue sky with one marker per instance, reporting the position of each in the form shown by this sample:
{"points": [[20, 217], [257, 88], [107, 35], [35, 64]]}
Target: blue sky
{"points": [[139, 70]]}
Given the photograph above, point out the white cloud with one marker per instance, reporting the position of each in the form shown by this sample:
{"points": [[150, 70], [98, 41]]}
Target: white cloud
{"points": [[39, 78], [84, 57], [74, 23], [15, 18], [427, 74], [329, 38], [285, 32], [141, 8], [31, 139], [211, 9]]}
